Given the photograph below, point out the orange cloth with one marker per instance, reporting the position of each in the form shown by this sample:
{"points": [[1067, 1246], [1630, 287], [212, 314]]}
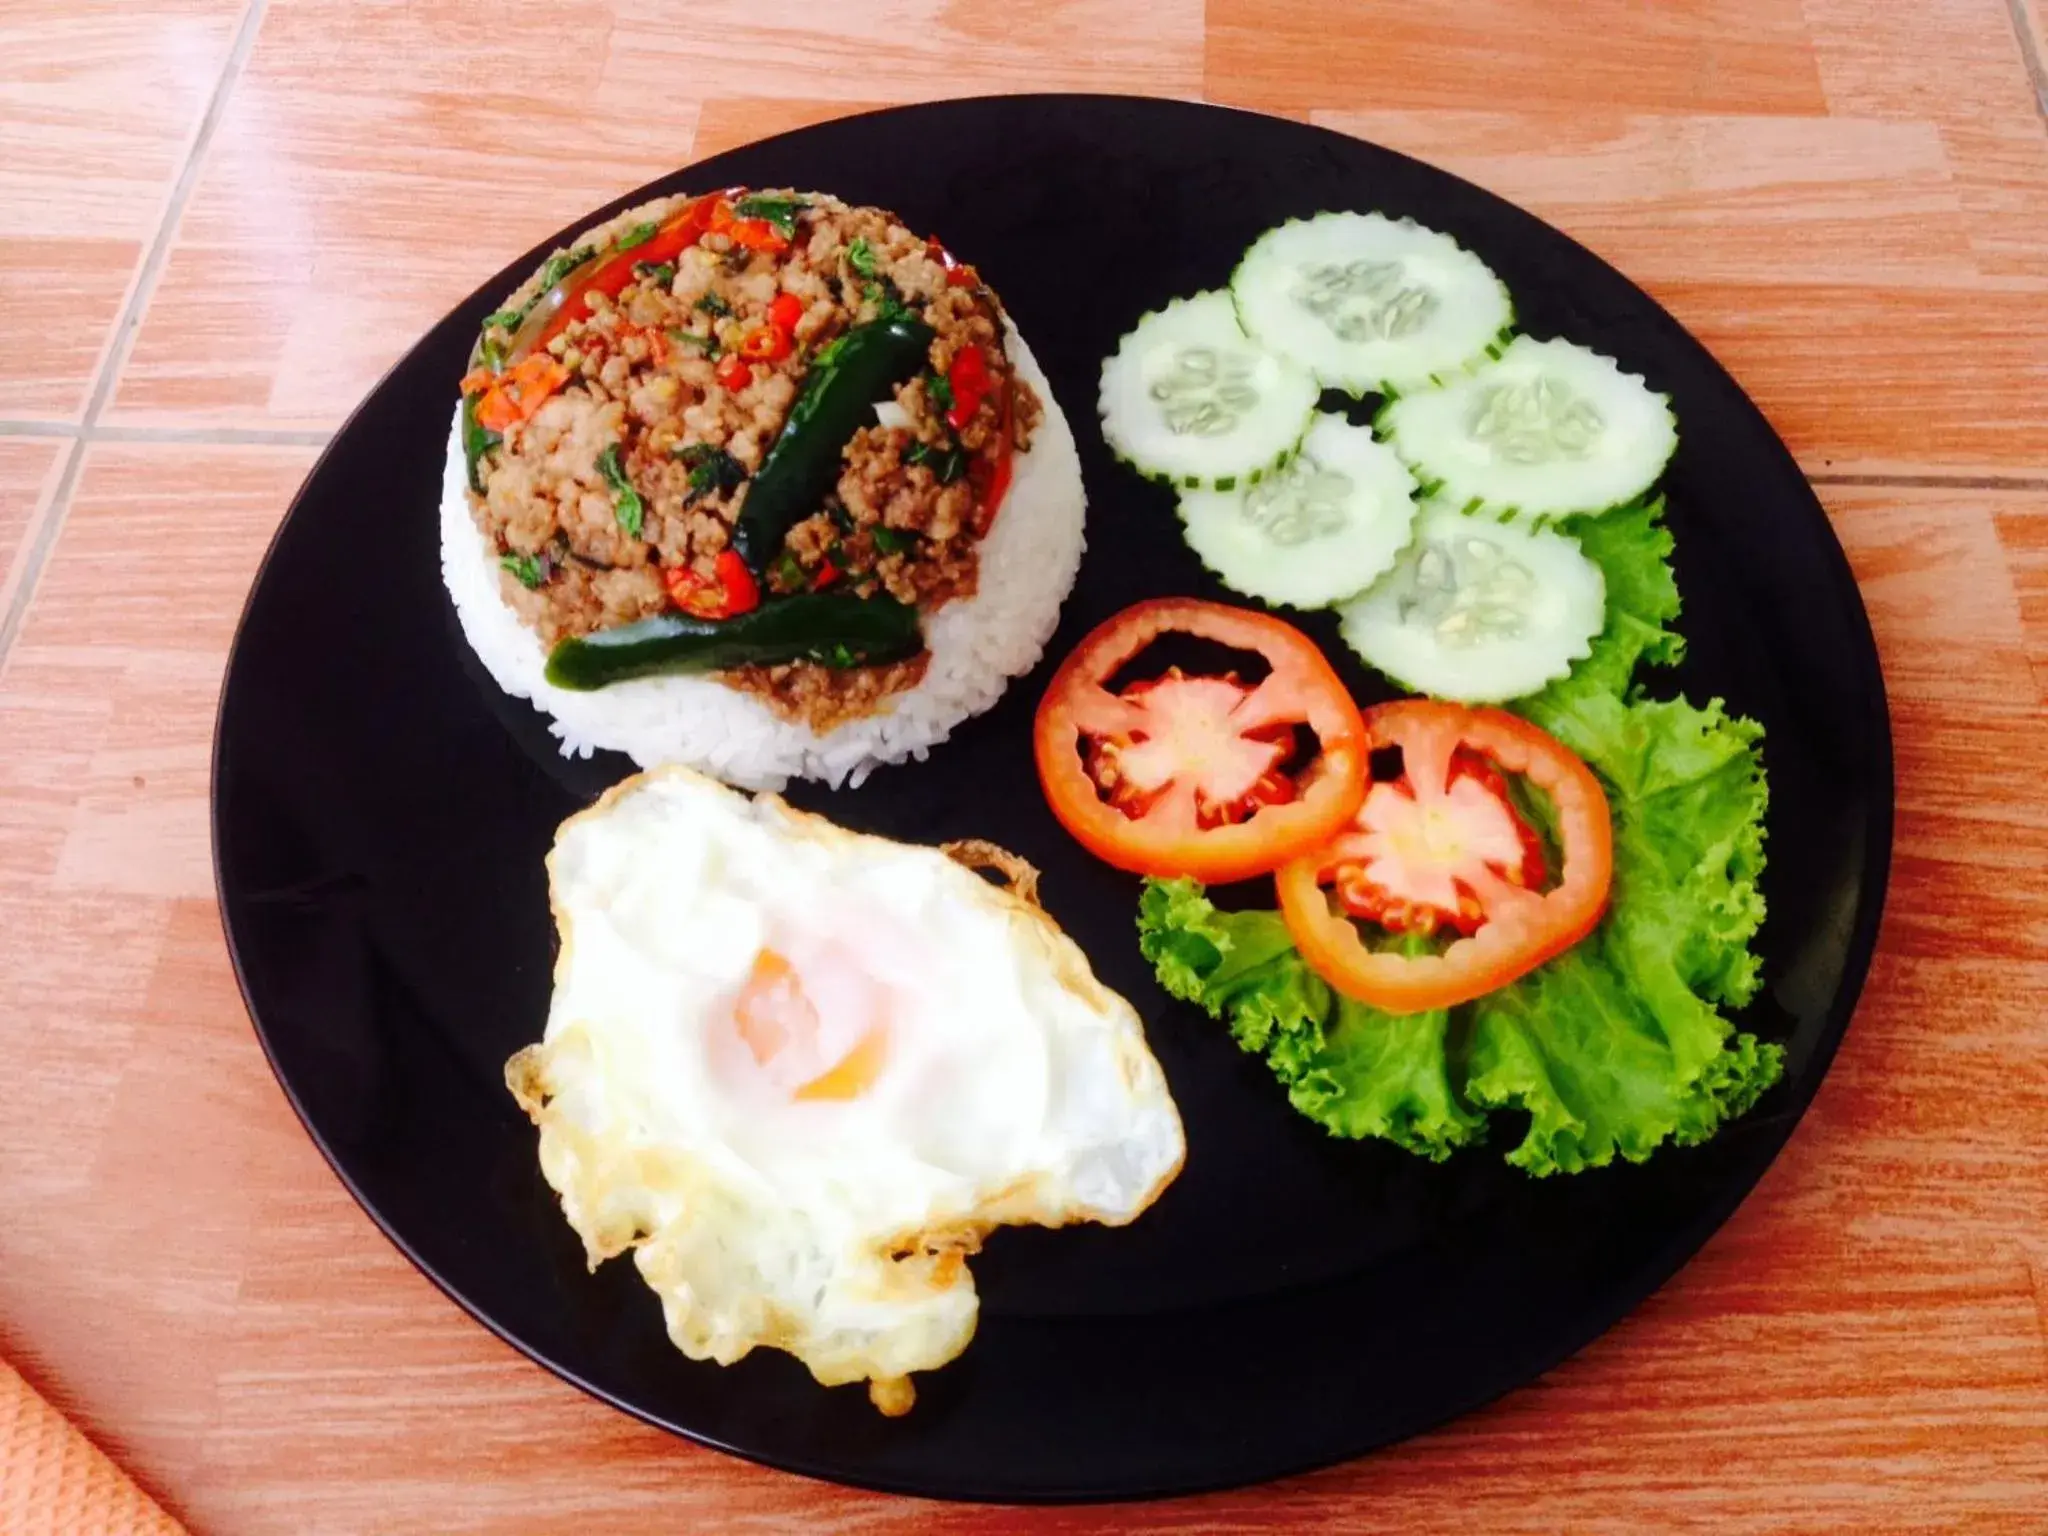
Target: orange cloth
{"points": [[55, 1482]]}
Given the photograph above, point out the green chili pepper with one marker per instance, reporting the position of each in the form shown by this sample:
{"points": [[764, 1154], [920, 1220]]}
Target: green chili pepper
{"points": [[838, 399], [831, 628]]}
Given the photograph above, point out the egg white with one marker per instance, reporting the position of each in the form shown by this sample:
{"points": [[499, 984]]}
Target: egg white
{"points": [[1013, 1087]]}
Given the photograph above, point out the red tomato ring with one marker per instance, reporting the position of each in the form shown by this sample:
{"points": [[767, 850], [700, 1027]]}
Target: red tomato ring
{"points": [[1300, 689], [1523, 928]]}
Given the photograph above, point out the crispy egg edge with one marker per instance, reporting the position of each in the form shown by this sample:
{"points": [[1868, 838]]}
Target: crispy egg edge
{"points": [[932, 1259]]}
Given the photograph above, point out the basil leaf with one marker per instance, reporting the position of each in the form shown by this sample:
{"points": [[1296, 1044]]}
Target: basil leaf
{"points": [[779, 211], [661, 274], [533, 571], [714, 306], [939, 390], [889, 299], [861, 257], [630, 510], [947, 464], [889, 541], [638, 235], [711, 470], [560, 266], [707, 344]]}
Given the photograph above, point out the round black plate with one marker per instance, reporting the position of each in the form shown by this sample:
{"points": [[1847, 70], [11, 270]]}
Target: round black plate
{"points": [[381, 814]]}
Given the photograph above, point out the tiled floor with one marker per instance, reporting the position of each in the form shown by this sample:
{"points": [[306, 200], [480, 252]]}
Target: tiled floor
{"points": [[99, 105], [1847, 199]]}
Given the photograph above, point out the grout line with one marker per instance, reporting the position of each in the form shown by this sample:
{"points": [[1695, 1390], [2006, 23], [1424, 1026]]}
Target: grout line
{"points": [[1937, 482], [32, 558], [129, 323], [2030, 54], [174, 213], [286, 437]]}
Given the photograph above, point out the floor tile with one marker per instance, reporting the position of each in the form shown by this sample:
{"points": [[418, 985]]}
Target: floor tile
{"points": [[343, 209], [346, 205], [1706, 56], [2023, 531], [1959, 65], [99, 102], [906, 49]]}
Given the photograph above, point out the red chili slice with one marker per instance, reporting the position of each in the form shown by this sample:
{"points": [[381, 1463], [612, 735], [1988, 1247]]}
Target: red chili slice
{"points": [[731, 592], [610, 275]]}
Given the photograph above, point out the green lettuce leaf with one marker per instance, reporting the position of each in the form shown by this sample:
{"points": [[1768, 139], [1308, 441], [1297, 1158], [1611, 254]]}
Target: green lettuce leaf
{"points": [[1617, 1045], [1613, 1048], [1352, 1068]]}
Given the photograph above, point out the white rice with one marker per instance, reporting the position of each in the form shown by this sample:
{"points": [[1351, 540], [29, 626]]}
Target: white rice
{"points": [[1028, 563]]}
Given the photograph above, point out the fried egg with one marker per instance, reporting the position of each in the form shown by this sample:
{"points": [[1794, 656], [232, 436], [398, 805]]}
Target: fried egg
{"points": [[801, 1072]]}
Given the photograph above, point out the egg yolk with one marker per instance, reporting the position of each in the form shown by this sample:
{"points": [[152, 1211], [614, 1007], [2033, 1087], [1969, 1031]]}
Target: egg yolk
{"points": [[779, 1022]]}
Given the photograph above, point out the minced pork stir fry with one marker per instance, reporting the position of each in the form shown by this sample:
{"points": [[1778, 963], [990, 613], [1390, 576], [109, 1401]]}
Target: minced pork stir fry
{"points": [[679, 415]]}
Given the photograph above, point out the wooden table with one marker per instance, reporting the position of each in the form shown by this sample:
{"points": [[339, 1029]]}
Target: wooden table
{"points": [[220, 220]]}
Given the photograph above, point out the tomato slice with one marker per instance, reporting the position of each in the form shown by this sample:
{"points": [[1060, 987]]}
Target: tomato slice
{"points": [[1184, 739], [1181, 775], [1413, 863], [1443, 845]]}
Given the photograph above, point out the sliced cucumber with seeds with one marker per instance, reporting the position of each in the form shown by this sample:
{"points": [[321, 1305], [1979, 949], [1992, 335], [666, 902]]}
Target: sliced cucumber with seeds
{"points": [[1479, 611], [1190, 399], [1368, 303], [1315, 531], [1546, 429]]}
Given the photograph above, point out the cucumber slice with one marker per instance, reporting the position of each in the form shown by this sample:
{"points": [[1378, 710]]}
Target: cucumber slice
{"points": [[1314, 532], [1546, 429], [1368, 303], [1479, 611], [1191, 400]]}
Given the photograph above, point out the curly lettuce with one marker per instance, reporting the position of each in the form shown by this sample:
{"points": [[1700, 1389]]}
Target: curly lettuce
{"points": [[1612, 1049]]}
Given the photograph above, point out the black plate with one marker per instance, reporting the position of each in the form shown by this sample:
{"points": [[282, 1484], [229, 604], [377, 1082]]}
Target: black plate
{"points": [[381, 813]]}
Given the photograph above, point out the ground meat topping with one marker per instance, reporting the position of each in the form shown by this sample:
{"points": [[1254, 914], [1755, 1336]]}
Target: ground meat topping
{"points": [[824, 697], [671, 395]]}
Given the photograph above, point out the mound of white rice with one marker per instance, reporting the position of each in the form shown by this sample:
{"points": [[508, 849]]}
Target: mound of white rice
{"points": [[1028, 563]]}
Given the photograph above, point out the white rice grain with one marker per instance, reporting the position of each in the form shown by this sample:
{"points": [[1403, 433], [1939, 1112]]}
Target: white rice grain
{"points": [[977, 644]]}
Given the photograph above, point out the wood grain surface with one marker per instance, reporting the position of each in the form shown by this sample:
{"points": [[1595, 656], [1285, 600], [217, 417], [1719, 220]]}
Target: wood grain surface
{"points": [[219, 221]]}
